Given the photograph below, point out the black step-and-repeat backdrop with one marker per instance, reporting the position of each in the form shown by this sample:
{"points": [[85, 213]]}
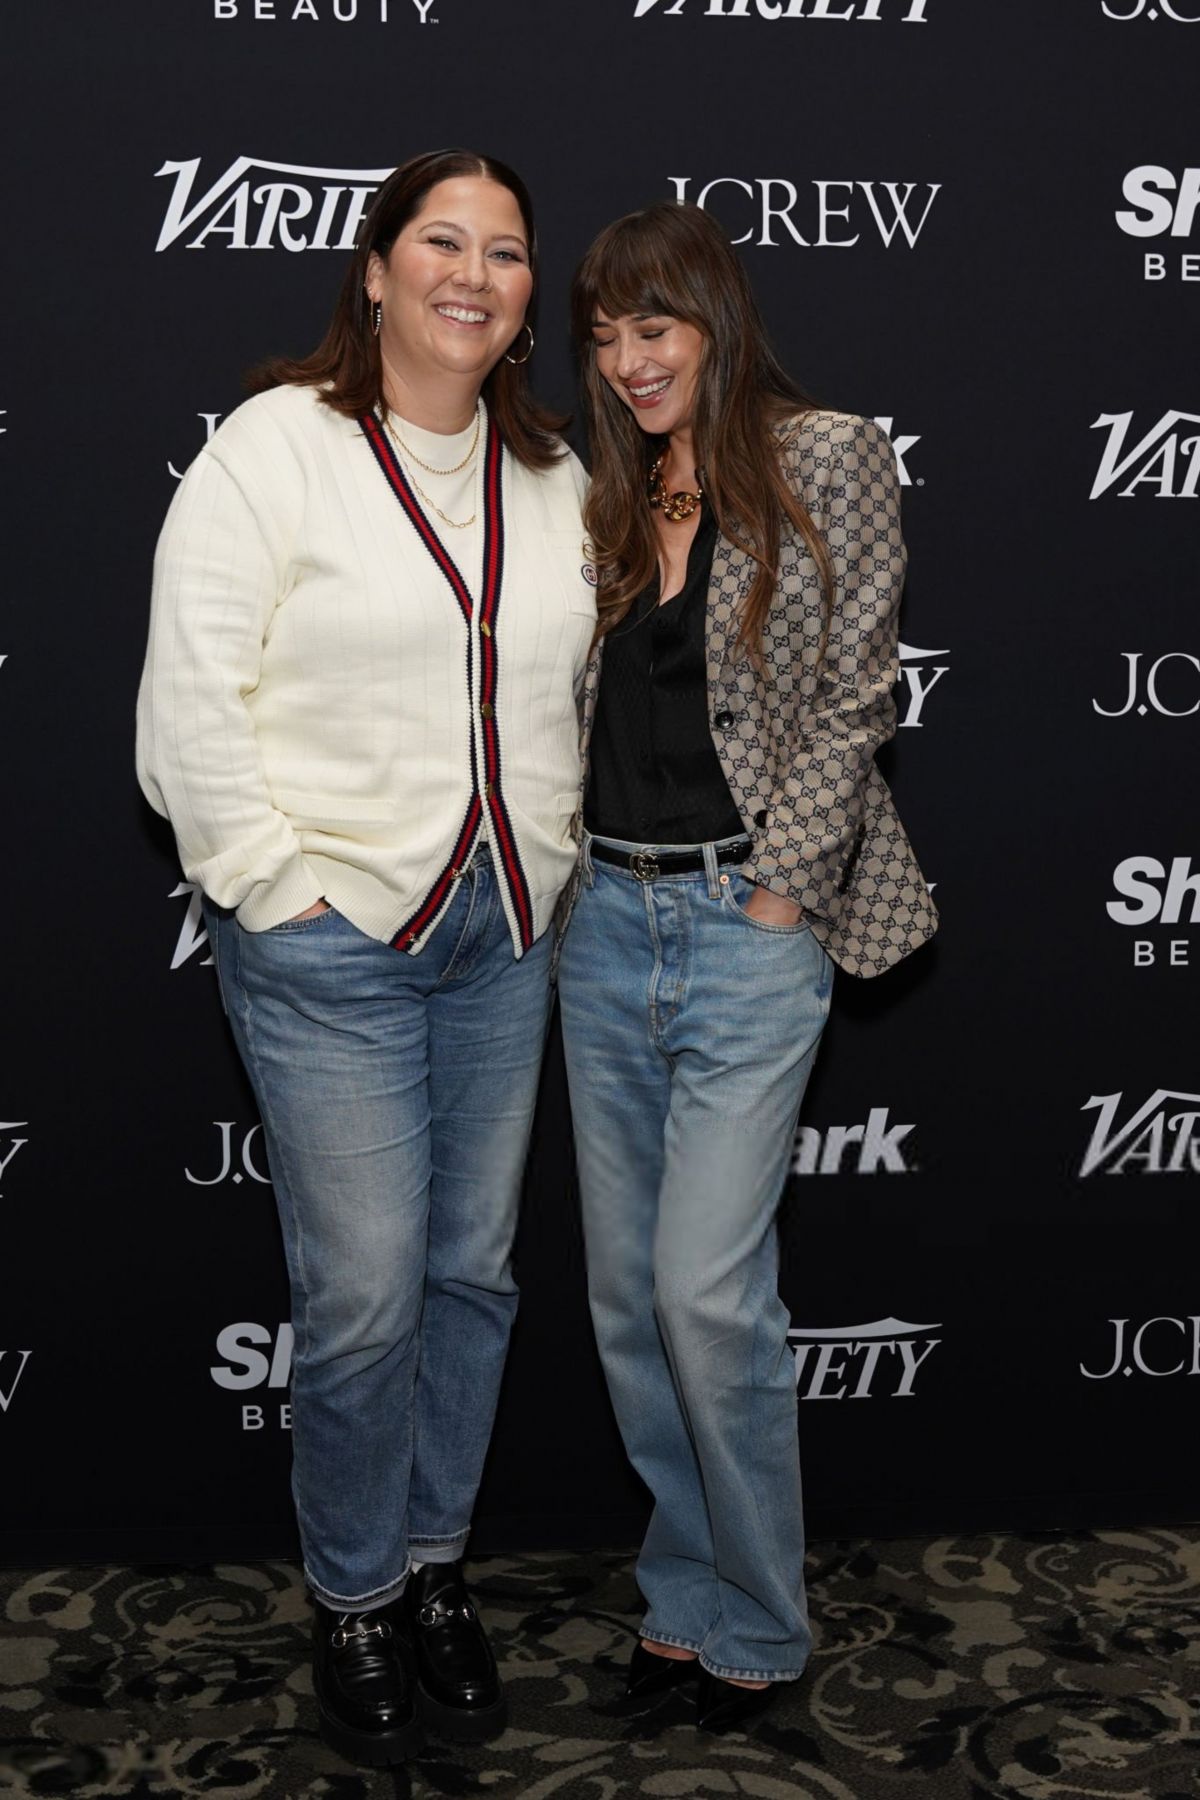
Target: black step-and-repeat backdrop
{"points": [[977, 221]]}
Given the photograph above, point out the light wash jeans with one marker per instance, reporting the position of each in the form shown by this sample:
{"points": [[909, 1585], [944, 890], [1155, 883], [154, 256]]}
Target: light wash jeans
{"points": [[690, 1030], [396, 1095]]}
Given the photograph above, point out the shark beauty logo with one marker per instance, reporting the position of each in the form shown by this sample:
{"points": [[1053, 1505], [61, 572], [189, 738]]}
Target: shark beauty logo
{"points": [[317, 12]]}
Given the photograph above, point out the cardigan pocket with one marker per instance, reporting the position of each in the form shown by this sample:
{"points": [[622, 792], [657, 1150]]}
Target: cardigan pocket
{"points": [[317, 810], [565, 554]]}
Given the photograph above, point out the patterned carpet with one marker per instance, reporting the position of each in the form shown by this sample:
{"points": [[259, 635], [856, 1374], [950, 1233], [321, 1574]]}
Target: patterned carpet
{"points": [[953, 1669]]}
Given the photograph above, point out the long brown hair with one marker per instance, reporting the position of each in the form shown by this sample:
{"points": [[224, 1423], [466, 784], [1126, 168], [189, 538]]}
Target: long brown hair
{"points": [[346, 364], [675, 260]]}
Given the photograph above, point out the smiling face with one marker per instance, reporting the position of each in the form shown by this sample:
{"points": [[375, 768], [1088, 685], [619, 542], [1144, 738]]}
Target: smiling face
{"points": [[652, 363], [456, 283]]}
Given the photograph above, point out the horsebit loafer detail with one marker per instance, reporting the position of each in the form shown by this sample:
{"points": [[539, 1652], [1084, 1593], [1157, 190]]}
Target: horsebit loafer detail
{"points": [[365, 1695], [458, 1687], [651, 1674]]}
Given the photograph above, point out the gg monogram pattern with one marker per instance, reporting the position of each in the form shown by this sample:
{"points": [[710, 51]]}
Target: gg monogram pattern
{"points": [[797, 737]]}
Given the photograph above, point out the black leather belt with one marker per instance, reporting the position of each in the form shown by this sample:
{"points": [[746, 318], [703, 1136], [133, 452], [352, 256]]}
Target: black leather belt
{"points": [[648, 865]]}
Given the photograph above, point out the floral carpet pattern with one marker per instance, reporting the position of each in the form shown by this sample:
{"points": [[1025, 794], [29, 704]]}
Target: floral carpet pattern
{"points": [[980, 1668]]}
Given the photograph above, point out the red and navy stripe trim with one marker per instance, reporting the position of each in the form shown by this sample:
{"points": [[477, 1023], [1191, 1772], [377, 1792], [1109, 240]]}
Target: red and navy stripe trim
{"points": [[493, 576]]}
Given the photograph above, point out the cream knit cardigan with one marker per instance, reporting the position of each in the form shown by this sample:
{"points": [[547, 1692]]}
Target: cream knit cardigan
{"points": [[310, 711]]}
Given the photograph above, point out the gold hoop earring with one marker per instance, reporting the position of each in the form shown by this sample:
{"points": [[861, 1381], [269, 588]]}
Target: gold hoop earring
{"points": [[519, 361]]}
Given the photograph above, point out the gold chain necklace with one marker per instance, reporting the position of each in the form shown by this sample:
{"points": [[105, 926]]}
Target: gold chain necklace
{"points": [[456, 524], [676, 507], [428, 467]]}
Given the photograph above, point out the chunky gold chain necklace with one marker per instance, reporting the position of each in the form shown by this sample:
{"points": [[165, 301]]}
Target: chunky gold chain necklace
{"points": [[676, 507], [456, 524]]}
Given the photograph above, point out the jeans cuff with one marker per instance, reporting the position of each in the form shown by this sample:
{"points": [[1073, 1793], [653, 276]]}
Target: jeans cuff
{"points": [[439, 1549], [368, 1602], [728, 1673], [671, 1643]]}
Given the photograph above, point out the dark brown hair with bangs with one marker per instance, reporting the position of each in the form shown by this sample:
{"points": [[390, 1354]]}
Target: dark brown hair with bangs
{"points": [[675, 260], [346, 364]]}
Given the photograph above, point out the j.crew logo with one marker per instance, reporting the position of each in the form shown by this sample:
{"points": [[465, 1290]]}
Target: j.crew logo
{"points": [[1180, 12], [1166, 459], [266, 214], [1132, 1346], [834, 214], [210, 422], [226, 1170], [865, 11], [857, 1362], [1153, 685]]}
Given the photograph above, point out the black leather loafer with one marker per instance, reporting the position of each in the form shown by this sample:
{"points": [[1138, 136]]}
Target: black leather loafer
{"points": [[650, 1674], [720, 1706], [458, 1687], [365, 1698]]}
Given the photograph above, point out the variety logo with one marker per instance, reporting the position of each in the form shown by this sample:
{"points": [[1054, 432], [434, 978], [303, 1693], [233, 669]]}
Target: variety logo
{"points": [[1151, 686], [1160, 202], [211, 421], [1180, 12], [10, 1146], [11, 1374], [832, 1152], [341, 12], [250, 208], [1148, 902], [860, 1362], [193, 933], [919, 675], [1160, 1138], [835, 214], [246, 1366], [1166, 459], [909, 12], [235, 1149], [1130, 1353]]}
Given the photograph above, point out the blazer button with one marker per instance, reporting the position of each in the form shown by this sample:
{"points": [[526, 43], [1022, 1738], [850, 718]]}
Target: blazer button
{"points": [[723, 720], [760, 818]]}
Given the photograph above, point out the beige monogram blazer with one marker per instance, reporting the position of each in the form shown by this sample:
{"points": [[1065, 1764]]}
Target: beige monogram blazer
{"points": [[797, 738]]}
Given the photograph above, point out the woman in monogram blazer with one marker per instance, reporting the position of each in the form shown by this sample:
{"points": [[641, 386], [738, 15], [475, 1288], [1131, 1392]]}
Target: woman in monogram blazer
{"points": [[737, 842]]}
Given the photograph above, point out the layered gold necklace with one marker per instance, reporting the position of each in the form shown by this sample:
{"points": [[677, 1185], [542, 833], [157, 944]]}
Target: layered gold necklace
{"points": [[676, 507], [411, 456]]}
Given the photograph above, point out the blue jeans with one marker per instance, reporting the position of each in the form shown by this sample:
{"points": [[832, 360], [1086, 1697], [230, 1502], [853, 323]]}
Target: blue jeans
{"points": [[690, 1030], [396, 1095]]}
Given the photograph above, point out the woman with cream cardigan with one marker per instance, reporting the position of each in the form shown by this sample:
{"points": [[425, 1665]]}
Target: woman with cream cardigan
{"points": [[371, 615]]}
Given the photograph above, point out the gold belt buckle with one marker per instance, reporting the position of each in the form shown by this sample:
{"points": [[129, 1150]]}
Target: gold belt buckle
{"points": [[643, 864]]}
